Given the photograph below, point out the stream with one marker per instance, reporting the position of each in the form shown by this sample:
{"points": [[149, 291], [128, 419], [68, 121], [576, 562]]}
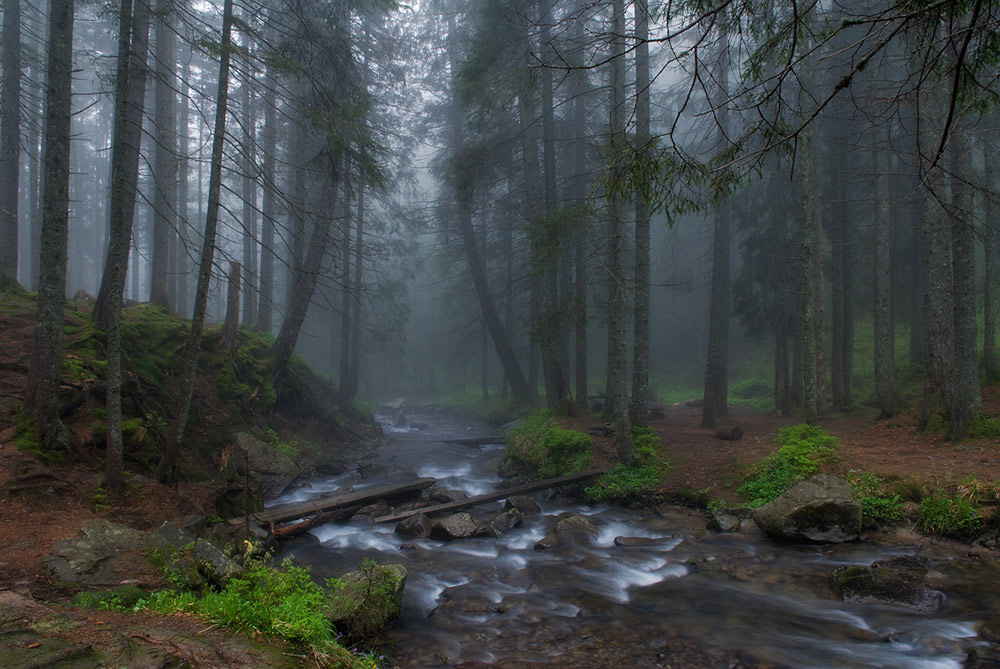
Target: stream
{"points": [[686, 597]]}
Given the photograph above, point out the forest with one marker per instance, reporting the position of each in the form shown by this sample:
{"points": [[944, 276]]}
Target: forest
{"points": [[324, 226]]}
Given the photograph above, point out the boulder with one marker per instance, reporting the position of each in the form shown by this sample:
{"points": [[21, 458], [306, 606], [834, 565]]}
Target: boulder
{"points": [[550, 540], [271, 471], [375, 510], [505, 522], [170, 535], [729, 519], [455, 526], [439, 495], [822, 509], [576, 526], [899, 581], [368, 600], [522, 503], [91, 558], [414, 526]]}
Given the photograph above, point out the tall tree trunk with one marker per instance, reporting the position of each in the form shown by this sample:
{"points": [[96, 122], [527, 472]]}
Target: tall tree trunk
{"points": [[885, 389], [966, 401], [132, 52], [166, 469], [501, 339], [581, 232], [543, 238], [306, 275], [617, 384], [34, 215], [991, 272], [249, 204], [717, 369], [183, 221], [938, 311], [345, 283], [354, 378], [267, 251], [45, 368], [124, 176], [165, 155], [809, 262], [10, 139], [639, 412]]}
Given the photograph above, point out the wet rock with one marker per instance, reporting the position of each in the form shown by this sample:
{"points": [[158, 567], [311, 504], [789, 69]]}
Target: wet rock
{"points": [[376, 510], [490, 470], [400, 420], [414, 526], [271, 471], [212, 563], [439, 495], [416, 425], [409, 547], [822, 509], [627, 542], [549, 541], [392, 405], [369, 600], [503, 523], [899, 581], [455, 526], [724, 522], [219, 537], [91, 558], [371, 470], [507, 427], [576, 526], [522, 503]]}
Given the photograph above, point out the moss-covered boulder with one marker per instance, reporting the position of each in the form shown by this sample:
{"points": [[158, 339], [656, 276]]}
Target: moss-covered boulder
{"points": [[271, 470], [93, 556], [899, 581], [364, 602], [821, 509]]}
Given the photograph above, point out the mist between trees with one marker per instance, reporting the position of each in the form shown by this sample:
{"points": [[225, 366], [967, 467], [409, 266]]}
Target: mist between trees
{"points": [[519, 198]]}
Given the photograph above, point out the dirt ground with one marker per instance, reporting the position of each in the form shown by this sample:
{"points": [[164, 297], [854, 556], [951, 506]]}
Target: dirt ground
{"points": [[703, 463]]}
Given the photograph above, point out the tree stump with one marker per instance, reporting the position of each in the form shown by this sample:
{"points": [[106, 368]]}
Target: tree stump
{"points": [[734, 433]]}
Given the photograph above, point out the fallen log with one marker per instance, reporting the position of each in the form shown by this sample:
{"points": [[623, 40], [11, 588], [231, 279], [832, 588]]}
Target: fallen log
{"points": [[477, 441], [315, 507], [470, 502], [734, 433]]}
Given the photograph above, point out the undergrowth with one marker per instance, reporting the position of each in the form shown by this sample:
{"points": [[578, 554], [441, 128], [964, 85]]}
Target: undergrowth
{"points": [[546, 449], [944, 516], [878, 507], [633, 482], [801, 450]]}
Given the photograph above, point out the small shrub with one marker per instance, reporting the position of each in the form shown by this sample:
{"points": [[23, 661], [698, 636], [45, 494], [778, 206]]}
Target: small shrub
{"points": [[366, 605], [547, 449], [120, 598], [878, 508], [944, 516], [801, 450], [633, 481], [976, 491], [985, 427]]}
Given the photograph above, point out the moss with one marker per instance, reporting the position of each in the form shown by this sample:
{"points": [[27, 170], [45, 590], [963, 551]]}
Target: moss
{"points": [[547, 450], [25, 438]]}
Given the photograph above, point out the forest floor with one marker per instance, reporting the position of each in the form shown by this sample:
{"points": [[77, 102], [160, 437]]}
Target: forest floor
{"points": [[704, 467]]}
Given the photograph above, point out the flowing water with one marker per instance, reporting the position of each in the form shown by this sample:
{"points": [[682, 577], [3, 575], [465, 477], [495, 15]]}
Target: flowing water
{"points": [[684, 597]]}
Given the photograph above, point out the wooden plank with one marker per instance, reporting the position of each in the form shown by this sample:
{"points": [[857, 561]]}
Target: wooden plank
{"points": [[286, 512], [478, 441], [470, 502]]}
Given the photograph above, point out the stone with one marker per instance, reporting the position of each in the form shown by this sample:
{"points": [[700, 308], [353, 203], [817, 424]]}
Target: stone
{"points": [[91, 558], [549, 541], [627, 542], [194, 523], [379, 508], [455, 526], [369, 600], [522, 503], [400, 420], [724, 522], [821, 509], [575, 525], [899, 581], [414, 526], [439, 495], [506, 521], [212, 563], [271, 471], [171, 535], [219, 537]]}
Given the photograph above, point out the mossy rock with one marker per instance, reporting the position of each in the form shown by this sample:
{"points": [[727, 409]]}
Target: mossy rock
{"points": [[367, 600], [899, 582]]}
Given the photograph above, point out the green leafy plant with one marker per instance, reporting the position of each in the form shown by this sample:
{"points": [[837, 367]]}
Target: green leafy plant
{"points": [[877, 506], [985, 427], [944, 516], [120, 598], [288, 448], [801, 450], [368, 603], [635, 481], [547, 449]]}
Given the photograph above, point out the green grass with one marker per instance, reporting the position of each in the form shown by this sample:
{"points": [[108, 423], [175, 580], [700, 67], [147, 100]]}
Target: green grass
{"points": [[634, 482], [878, 507], [944, 516], [801, 451], [546, 449], [280, 603]]}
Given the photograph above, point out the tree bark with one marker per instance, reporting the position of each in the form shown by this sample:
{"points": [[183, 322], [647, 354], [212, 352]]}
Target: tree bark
{"points": [[132, 50], [10, 139], [990, 275], [45, 368], [345, 282], [354, 378], [639, 412], [966, 400], [617, 387], [231, 326], [165, 156], [166, 469], [183, 223], [809, 262], [885, 390], [267, 256], [249, 204]]}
